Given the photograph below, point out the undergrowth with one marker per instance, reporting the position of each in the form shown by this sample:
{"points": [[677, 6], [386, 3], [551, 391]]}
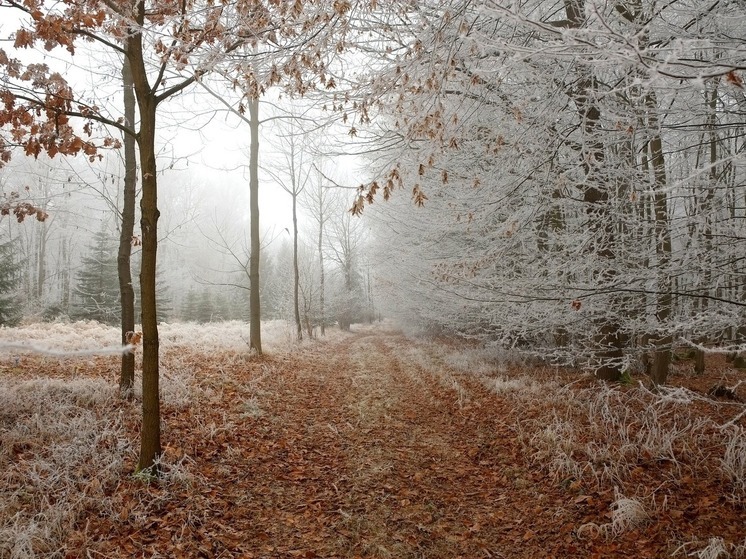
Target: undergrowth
{"points": [[62, 444], [610, 437]]}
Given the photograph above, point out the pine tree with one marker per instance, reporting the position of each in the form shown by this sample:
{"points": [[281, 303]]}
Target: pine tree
{"points": [[189, 306], [205, 308], [9, 313], [97, 292], [165, 305]]}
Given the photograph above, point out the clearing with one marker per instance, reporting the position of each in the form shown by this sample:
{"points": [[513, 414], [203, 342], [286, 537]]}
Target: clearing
{"points": [[368, 444]]}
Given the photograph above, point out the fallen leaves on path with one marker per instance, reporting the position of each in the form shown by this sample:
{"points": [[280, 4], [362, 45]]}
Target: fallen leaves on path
{"points": [[371, 447]]}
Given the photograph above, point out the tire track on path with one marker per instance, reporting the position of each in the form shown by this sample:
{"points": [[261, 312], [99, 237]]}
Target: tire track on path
{"points": [[429, 475]]}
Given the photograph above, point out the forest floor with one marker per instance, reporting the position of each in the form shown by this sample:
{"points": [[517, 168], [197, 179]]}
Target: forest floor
{"points": [[376, 445]]}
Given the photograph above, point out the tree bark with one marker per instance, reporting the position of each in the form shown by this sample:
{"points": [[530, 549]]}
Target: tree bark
{"points": [[150, 439], [607, 339], [255, 317], [126, 290], [321, 275], [41, 269], [662, 357], [322, 219], [65, 277], [296, 273], [706, 209]]}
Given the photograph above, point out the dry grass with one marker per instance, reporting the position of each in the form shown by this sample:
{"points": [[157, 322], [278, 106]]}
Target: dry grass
{"points": [[716, 548], [627, 514], [62, 445], [606, 436], [734, 462], [607, 431]]}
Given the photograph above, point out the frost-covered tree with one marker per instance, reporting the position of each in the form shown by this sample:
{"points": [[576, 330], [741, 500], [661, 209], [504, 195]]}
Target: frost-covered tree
{"points": [[574, 159], [96, 292], [319, 202], [345, 240], [10, 311], [293, 176]]}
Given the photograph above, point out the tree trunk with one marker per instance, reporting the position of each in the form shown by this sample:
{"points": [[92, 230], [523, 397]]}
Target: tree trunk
{"points": [[369, 291], [706, 210], [663, 303], [296, 273], [41, 269], [150, 442], [65, 277], [126, 290], [255, 335], [150, 439], [321, 265], [699, 361], [345, 319]]}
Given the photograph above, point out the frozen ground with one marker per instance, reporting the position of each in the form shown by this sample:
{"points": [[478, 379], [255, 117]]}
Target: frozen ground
{"points": [[363, 444]]}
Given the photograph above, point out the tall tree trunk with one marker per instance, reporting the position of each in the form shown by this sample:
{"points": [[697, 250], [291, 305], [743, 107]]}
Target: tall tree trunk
{"points": [[706, 209], [321, 263], [126, 290], [65, 277], [41, 268], [369, 292], [345, 319], [550, 223], [663, 303], [296, 273], [150, 439], [255, 317]]}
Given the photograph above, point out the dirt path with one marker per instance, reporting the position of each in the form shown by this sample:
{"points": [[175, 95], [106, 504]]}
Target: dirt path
{"points": [[344, 450]]}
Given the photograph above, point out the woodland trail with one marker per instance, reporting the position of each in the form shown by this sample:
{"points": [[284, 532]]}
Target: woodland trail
{"points": [[351, 449]]}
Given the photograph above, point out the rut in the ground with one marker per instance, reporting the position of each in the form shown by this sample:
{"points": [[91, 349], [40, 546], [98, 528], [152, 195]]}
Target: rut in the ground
{"points": [[412, 470]]}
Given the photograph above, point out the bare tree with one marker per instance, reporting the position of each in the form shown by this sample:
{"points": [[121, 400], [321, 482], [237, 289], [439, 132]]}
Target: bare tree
{"points": [[319, 201], [293, 176]]}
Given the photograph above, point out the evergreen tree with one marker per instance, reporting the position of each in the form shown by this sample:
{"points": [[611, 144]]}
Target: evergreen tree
{"points": [[164, 308], [9, 313], [97, 292], [221, 306], [189, 307], [164, 305], [204, 310]]}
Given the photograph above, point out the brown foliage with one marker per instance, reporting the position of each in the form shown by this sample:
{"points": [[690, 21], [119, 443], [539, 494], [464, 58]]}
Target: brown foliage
{"points": [[12, 203]]}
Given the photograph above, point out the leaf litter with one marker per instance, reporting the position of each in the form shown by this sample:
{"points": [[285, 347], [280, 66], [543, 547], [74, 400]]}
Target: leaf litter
{"points": [[376, 445]]}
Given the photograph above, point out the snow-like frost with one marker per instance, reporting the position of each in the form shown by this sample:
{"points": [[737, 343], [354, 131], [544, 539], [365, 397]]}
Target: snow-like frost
{"points": [[277, 335], [734, 462], [57, 453], [59, 336], [627, 514], [92, 336], [716, 548]]}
